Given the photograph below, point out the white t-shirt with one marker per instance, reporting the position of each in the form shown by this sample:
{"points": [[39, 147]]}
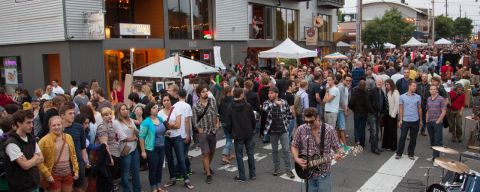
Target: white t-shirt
{"points": [[73, 90], [14, 152], [173, 118], [396, 77], [186, 111], [333, 105], [58, 90], [124, 132]]}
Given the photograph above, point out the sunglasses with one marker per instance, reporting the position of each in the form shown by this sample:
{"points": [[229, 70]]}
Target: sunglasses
{"points": [[311, 122]]}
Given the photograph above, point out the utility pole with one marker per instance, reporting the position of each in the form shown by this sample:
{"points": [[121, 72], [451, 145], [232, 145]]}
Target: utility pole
{"points": [[446, 8], [358, 42], [460, 11], [433, 22]]}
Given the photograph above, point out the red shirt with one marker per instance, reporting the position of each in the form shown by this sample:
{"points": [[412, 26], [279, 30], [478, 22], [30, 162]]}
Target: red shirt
{"points": [[444, 69], [458, 101], [5, 100]]}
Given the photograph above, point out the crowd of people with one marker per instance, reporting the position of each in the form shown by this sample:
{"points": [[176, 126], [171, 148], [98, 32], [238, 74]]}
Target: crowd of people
{"points": [[86, 140]]}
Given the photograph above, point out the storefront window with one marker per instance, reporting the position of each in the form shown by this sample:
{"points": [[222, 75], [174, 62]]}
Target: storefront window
{"points": [[179, 18], [11, 73], [287, 23], [118, 12], [259, 21], [325, 31], [201, 16]]}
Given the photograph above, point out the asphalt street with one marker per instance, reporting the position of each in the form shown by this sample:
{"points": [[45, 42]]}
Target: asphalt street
{"points": [[364, 172]]}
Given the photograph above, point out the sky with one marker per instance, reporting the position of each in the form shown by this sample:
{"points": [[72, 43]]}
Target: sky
{"points": [[470, 7]]}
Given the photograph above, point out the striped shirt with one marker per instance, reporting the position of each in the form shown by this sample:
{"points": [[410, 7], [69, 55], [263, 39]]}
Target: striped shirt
{"points": [[435, 107]]}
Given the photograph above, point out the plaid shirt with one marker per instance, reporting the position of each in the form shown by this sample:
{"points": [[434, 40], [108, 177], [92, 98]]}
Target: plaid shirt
{"points": [[207, 123], [303, 138], [285, 113]]}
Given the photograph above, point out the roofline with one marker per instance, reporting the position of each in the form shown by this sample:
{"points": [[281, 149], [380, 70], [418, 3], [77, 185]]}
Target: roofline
{"points": [[396, 3]]}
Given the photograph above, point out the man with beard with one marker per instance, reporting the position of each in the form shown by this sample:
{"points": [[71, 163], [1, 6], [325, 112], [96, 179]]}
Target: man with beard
{"points": [[99, 97]]}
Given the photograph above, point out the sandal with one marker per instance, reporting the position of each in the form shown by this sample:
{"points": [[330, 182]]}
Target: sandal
{"points": [[188, 185], [169, 184], [161, 190]]}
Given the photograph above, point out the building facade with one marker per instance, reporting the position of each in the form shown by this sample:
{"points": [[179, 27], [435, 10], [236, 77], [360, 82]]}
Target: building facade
{"points": [[89, 39]]}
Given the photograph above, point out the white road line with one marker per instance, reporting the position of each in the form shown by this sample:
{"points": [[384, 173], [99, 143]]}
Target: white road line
{"points": [[269, 147], [233, 168], [389, 175], [197, 152]]}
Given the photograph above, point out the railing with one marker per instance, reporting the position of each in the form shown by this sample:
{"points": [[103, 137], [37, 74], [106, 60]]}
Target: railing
{"points": [[331, 3]]}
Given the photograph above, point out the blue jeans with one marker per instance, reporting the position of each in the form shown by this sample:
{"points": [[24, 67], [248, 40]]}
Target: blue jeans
{"points": [[131, 164], [186, 146], [175, 144], [229, 140], [319, 111], [321, 183], [155, 160], [249, 145], [360, 121], [291, 126], [413, 128], [374, 127], [435, 132]]}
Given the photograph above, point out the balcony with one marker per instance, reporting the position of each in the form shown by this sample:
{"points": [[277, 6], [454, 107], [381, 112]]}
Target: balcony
{"points": [[330, 4]]}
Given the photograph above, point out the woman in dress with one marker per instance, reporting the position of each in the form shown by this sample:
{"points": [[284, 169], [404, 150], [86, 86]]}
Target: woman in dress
{"points": [[60, 166], [390, 131], [152, 145], [117, 92], [127, 134]]}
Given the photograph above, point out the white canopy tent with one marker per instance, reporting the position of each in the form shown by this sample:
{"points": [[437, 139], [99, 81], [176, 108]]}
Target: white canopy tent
{"points": [[166, 68], [289, 50], [342, 44], [389, 45], [413, 43], [443, 41]]}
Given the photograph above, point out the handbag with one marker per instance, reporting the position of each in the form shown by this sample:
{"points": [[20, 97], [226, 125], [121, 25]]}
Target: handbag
{"points": [[168, 119], [126, 148], [44, 183]]}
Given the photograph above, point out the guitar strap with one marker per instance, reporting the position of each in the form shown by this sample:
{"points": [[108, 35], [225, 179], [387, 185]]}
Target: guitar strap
{"points": [[322, 139]]}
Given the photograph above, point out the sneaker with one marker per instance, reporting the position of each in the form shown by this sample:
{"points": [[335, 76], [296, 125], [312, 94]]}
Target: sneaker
{"points": [[209, 179], [430, 159], [188, 185], [179, 178], [253, 177], [411, 157], [290, 175], [276, 172], [189, 173], [170, 183], [398, 156], [237, 178]]}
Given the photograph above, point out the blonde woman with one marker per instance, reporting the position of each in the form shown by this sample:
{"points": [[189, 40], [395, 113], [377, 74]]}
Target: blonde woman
{"points": [[148, 93], [117, 92], [107, 135], [60, 166]]}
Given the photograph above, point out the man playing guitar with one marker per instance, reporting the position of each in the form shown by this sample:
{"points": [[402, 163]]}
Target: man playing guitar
{"points": [[308, 140]]}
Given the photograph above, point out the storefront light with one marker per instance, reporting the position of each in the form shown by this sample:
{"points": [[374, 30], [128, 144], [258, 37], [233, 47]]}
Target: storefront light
{"points": [[107, 32]]}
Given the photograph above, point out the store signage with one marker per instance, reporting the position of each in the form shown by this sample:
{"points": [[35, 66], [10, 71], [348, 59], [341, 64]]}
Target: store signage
{"points": [[206, 56], [207, 34], [96, 25], [311, 36], [318, 21], [134, 29]]}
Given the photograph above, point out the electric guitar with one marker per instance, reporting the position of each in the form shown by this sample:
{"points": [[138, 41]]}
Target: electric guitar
{"points": [[315, 160]]}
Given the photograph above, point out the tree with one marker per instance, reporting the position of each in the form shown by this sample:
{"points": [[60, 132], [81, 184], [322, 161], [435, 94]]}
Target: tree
{"points": [[444, 27], [390, 28], [463, 27]]}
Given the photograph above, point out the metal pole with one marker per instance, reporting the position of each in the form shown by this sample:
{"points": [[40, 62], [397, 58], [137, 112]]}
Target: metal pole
{"points": [[358, 42], [131, 59], [446, 8], [433, 22]]}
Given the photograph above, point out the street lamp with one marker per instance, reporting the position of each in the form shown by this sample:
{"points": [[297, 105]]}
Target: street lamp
{"points": [[131, 59]]}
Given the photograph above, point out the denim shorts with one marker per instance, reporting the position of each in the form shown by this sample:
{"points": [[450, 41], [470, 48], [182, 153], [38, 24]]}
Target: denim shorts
{"points": [[341, 120]]}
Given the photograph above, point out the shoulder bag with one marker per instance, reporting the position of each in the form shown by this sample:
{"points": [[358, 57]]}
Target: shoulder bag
{"points": [[44, 183]]}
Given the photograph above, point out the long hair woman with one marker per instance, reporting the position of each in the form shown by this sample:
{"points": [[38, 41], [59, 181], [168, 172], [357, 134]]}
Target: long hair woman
{"points": [[389, 141], [60, 166], [127, 134], [152, 145], [359, 105]]}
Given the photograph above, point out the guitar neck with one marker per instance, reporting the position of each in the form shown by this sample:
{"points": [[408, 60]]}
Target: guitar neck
{"points": [[316, 162]]}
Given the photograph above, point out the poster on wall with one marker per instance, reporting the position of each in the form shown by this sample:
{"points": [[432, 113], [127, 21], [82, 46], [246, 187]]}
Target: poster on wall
{"points": [[311, 36], [160, 86], [318, 21], [11, 76]]}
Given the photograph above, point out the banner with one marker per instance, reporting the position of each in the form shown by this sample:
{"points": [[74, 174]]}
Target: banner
{"points": [[311, 36]]}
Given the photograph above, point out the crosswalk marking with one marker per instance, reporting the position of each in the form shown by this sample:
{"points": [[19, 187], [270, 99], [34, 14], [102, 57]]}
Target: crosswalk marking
{"points": [[389, 175], [233, 168]]}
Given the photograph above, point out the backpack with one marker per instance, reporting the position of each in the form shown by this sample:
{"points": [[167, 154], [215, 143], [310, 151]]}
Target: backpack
{"points": [[298, 105]]}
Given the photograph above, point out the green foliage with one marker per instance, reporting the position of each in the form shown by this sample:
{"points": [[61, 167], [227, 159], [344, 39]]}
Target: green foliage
{"points": [[463, 27], [444, 27], [390, 28]]}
